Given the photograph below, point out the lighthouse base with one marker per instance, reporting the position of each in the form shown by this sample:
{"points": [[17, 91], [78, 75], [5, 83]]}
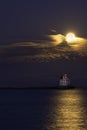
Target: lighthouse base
{"points": [[66, 87]]}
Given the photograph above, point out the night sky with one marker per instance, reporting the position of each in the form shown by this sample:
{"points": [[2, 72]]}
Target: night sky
{"points": [[28, 54]]}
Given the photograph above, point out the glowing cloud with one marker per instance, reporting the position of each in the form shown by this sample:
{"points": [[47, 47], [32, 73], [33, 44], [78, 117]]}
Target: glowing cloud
{"points": [[58, 47], [57, 39], [70, 41]]}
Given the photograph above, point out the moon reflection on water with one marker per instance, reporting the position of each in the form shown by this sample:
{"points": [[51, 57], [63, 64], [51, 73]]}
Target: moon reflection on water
{"points": [[68, 112]]}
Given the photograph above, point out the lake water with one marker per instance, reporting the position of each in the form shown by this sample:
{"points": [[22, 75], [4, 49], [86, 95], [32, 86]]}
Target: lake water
{"points": [[43, 109]]}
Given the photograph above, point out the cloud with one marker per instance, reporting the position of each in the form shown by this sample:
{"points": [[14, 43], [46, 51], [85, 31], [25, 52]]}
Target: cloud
{"points": [[57, 39], [79, 45], [44, 51], [53, 30]]}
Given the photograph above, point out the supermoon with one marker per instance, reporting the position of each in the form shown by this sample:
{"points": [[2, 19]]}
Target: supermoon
{"points": [[70, 37]]}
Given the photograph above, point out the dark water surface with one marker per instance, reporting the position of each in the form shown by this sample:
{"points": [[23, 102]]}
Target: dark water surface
{"points": [[43, 109]]}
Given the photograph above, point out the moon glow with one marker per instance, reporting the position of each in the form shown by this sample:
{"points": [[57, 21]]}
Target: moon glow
{"points": [[70, 37]]}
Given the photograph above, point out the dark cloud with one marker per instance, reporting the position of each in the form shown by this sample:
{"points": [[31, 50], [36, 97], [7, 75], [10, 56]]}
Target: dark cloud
{"points": [[31, 51]]}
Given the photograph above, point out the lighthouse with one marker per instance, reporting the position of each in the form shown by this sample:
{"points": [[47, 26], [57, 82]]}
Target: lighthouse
{"points": [[64, 81]]}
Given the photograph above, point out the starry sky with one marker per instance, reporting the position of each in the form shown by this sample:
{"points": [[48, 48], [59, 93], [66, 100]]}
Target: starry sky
{"points": [[27, 54]]}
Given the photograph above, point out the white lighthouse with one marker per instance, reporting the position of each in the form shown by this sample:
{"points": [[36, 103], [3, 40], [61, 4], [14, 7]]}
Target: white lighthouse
{"points": [[64, 81]]}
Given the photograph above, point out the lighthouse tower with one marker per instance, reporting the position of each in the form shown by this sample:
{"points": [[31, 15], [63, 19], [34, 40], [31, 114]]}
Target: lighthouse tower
{"points": [[64, 81]]}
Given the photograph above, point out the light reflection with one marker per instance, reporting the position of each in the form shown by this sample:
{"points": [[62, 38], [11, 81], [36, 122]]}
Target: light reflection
{"points": [[68, 111]]}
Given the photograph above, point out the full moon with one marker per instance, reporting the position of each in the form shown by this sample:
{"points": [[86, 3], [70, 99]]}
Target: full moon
{"points": [[70, 37]]}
